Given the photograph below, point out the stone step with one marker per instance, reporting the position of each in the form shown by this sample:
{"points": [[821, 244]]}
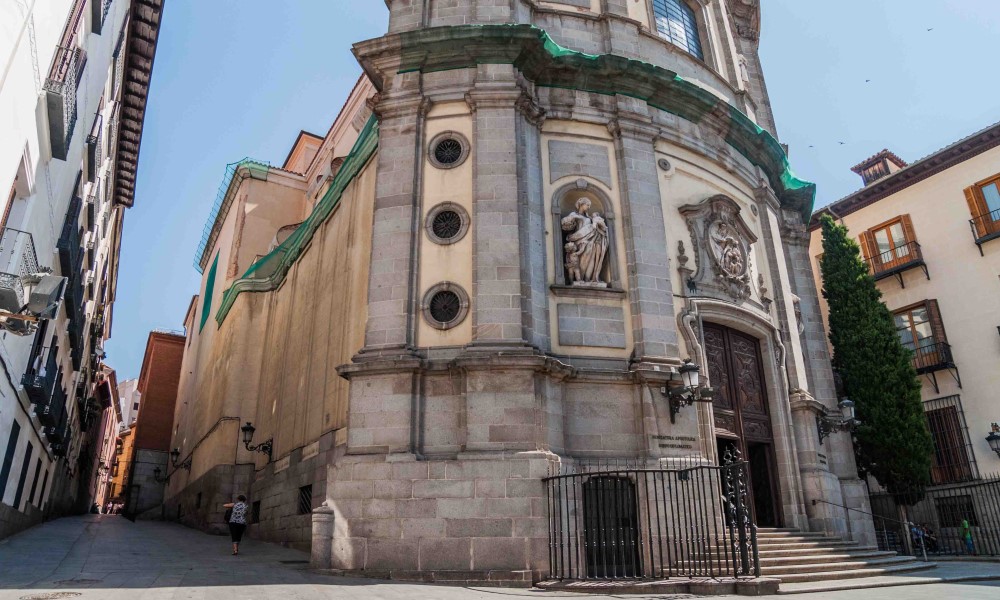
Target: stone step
{"points": [[818, 545], [856, 573], [804, 559], [797, 540], [788, 534], [813, 551], [821, 567]]}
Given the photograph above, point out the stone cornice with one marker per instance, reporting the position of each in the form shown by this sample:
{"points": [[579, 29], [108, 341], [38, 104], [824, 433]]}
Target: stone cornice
{"points": [[545, 63]]}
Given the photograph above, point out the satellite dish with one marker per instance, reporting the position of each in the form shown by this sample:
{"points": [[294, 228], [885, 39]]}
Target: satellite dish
{"points": [[45, 296]]}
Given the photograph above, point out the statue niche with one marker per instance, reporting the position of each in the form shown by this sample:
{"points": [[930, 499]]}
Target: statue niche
{"points": [[585, 246]]}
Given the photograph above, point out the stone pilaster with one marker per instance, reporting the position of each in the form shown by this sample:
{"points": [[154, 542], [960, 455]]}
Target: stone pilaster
{"points": [[496, 311], [393, 267], [654, 329]]}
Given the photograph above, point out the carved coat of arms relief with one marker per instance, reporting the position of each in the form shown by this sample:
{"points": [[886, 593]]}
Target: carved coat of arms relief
{"points": [[722, 243]]}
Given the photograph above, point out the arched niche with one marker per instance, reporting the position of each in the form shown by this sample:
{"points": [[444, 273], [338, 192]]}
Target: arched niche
{"points": [[564, 202]]}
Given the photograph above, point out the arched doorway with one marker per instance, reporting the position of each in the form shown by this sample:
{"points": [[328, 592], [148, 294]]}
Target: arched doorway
{"points": [[742, 418]]}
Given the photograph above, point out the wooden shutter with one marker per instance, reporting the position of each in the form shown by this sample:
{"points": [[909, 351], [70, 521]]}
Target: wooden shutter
{"points": [[937, 325], [908, 231], [869, 250], [977, 207]]}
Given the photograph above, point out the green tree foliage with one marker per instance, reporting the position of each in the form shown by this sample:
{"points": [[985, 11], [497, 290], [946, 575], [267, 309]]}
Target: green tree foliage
{"points": [[892, 443]]}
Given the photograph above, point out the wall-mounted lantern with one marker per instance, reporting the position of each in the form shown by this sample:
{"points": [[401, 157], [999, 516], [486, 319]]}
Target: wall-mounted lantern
{"points": [[689, 391], [175, 455], [994, 438], [263, 447], [826, 425]]}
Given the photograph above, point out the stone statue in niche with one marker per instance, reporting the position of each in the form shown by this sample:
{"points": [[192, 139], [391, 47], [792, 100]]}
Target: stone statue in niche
{"points": [[586, 246]]}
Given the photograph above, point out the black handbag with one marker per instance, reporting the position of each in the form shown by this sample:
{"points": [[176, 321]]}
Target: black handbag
{"points": [[229, 514]]}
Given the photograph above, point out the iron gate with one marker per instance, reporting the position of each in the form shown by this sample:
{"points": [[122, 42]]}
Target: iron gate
{"points": [[636, 523]]}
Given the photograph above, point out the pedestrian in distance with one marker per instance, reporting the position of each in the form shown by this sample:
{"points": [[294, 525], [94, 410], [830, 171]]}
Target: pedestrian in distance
{"points": [[967, 536], [236, 518]]}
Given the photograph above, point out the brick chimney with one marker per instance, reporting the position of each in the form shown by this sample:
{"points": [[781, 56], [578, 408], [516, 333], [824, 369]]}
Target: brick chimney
{"points": [[881, 165]]}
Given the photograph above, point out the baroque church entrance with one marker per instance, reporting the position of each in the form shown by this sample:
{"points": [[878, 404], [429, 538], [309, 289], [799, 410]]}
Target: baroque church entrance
{"points": [[742, 421]]}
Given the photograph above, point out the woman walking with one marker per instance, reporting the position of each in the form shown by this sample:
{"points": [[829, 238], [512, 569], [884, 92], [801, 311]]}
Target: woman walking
{"points": [[236, 517]]}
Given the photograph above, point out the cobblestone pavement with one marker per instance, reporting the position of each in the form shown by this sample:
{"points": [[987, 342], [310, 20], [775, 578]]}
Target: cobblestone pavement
{"points": [[109, 558]]}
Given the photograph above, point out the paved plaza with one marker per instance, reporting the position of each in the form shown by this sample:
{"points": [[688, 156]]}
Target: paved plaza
{"points": [[109, 558]]}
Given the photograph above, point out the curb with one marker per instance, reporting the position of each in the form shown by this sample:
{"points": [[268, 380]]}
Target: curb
{"points": [[884, 584]]}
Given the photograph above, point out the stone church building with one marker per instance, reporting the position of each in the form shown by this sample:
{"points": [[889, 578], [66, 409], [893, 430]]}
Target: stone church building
{"points": [[491, 269]]}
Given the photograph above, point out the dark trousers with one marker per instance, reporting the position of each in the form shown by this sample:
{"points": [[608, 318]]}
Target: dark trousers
{"points": [[236, 531]]}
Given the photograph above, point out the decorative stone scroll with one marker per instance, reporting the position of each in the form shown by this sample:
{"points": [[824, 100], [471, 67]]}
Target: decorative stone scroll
{"points": [[722, 242]]}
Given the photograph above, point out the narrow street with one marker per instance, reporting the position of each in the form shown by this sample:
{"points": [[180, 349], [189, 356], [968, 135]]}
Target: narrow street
{"points": [[109, 558]]}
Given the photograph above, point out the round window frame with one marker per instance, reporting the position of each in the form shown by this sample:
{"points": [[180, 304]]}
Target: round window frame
{"points": [[445, 286], [448, 135], [440, 208]]}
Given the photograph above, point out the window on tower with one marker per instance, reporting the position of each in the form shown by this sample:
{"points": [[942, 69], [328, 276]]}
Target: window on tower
{"points": [[676, 22]]}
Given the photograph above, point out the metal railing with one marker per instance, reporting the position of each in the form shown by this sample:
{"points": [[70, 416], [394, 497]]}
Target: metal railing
{"points": [[897, 259], [959, 519], [637, 523], [985, 227], [932, 357], [17, 258], [39, 384], [60, 87]]}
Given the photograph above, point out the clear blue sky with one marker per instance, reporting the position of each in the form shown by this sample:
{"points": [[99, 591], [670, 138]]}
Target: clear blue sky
{"points": [[241, 78]]}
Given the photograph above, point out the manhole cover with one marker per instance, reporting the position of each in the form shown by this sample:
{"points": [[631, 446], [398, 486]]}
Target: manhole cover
{"points": [[51, 596]]}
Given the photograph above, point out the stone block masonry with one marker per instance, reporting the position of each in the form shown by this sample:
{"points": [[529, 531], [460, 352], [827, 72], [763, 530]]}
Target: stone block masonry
{"points": [[478, 517], [586, 325]]}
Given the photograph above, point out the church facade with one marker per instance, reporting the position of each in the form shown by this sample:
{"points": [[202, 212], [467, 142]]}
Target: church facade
{"points": [[528, 224]]}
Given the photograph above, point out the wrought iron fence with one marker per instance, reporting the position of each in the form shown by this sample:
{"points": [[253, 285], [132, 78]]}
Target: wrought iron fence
{"points": [[932, 357], [637, 523], [887, 263], [959, 519]]}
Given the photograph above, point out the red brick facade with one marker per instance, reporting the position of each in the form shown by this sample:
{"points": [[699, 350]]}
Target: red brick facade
{"points": [[158, 382]]}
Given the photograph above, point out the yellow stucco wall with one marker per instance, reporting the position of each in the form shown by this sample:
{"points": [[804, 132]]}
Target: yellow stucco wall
{"points": [[964, 283], [452, 262]]}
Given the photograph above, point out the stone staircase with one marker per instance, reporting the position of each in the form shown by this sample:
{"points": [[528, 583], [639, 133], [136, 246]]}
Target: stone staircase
{"points": [[796, 556]]}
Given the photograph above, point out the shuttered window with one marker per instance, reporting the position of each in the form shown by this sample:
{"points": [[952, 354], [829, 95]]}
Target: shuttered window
{"points": [[206, 305], [983, 199], [921, 330], [890, 244]]}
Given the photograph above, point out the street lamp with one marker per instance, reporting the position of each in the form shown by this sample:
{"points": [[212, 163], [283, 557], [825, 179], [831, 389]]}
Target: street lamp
{"points": [[175, 455], [263, 447], [689, 391], [156, 476], [827, 425], [994, 438]]}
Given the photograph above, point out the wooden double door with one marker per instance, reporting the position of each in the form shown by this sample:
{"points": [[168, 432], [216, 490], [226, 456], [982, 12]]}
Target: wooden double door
{"points": [[742, 416]]}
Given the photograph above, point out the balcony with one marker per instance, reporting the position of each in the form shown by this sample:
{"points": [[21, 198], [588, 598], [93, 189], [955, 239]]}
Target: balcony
{"points": [[985, 227], [17, 258], [71, 263], [60, 97], [930, 359], [39, 385], [893, 263]]}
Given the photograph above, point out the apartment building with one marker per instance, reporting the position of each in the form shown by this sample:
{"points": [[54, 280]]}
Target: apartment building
{"points": [[75, 81], [929, 232], [128, 393]]}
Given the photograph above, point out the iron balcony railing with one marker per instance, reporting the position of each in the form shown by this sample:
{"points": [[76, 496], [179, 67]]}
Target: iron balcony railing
{"points": [[635, 523], [17, 258], [60, 97], [39, 383], [895, 261], [932, 357], [985, 227]]}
